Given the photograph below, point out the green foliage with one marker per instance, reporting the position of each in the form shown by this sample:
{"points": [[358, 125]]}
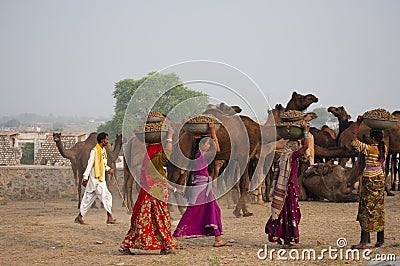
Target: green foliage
{"points": [[27, 153], [161, 92]]}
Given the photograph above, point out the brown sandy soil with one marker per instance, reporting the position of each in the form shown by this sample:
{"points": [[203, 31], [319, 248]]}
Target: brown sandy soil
{"points": [[35, 232]]}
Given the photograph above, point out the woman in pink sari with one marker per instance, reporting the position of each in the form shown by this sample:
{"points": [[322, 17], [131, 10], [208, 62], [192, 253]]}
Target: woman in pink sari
{"points": [[203, 215], [285, 218]]}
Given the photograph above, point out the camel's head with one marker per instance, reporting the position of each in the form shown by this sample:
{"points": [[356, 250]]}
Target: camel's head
{"points": [[229, 110], [340, 113], [57, 136], [223, 109], [276, 113], [301, 102]]}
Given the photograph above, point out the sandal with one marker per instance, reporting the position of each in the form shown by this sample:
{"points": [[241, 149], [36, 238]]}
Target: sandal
{"points": [[247, 214]]}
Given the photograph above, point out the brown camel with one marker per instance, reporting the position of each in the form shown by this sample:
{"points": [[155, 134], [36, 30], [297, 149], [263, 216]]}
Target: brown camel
{"points": [[323, 139], [238, 154], [73, 153], [394, 150], [133, 158], [333, 182], [330, 131], [300, 102], [342, 116]]}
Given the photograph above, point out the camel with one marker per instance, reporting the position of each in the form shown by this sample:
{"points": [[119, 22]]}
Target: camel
{"points": [[394, 150], [333, 182], [231, 131], [133, 158], [342, 116], [73, 153], [300, 102], [330, 131], [323, 139]]}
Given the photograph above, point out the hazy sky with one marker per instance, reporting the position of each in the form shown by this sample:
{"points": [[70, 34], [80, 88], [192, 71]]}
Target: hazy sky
{"points": [[64, 57]]}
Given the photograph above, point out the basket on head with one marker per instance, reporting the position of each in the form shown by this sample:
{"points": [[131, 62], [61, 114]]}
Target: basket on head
{"points": [[153, 117], [152, 132], [379, 119], [199, 124], [292, 115]]}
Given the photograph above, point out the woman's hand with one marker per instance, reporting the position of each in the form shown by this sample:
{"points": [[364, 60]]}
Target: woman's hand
{"points": [[212, 127], [304, 125]]}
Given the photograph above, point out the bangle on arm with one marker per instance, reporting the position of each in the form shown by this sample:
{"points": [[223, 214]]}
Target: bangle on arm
{"points": [[169, 140], [305, 133]]}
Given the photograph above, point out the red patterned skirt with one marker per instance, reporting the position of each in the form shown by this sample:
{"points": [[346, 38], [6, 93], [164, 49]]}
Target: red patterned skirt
{"points": [[150, 225]]}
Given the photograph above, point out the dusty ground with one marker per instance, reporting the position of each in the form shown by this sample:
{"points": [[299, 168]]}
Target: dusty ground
{"points": [[44, 233]]}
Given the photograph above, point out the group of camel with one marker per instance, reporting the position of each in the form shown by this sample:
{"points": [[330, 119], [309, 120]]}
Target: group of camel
{"points": [[248, 150]]}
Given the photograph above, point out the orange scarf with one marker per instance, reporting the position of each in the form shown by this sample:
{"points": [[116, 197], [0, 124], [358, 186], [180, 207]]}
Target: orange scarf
{"points": [[99, 163]]}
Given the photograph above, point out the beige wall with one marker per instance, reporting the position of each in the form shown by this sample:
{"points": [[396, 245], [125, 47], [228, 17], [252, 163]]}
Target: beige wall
{"points": [[43, 182]]}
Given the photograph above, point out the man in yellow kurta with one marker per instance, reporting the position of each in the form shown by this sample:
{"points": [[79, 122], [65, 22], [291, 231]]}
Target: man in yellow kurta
{"points": [[95, 182]]}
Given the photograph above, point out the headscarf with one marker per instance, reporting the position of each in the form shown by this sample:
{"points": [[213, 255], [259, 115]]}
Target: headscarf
{"points": [[99, 168], [285, 166]]}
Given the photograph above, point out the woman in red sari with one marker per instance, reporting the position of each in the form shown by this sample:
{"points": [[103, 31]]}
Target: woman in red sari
{"points": [[285, 218], [150, 221]]}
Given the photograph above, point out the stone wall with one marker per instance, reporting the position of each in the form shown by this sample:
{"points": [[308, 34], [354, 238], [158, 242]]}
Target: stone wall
{"points": [[9, 155], [42, 182], [36, 182]]}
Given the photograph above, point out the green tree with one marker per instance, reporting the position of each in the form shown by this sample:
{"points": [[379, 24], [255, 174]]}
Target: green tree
{"points": [[28, 153], [161, 92]]}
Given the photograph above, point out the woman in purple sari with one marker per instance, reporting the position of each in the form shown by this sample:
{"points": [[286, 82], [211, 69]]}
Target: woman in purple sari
{"points": [[203, 215], [285, 218]]}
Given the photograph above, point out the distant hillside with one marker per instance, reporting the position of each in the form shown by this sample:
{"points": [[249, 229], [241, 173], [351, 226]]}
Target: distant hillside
{"points": [[30, 121]]}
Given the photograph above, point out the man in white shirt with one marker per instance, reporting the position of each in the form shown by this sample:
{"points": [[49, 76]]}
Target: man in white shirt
{"points": [[95, 182]]}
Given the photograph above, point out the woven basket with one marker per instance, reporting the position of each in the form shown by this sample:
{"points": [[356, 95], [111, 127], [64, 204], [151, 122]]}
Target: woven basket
{"points": [[199, 128], [151, 136]]}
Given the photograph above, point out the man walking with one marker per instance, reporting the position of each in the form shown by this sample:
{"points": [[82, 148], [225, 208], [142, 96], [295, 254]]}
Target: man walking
{"points": [[95, 182]]}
